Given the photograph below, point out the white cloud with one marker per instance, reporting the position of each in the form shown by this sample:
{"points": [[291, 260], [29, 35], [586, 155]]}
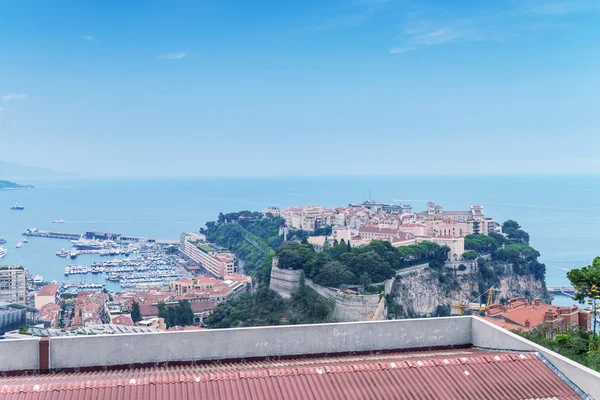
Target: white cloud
{"points": [[14, 96], [398, 50], [563, 7], [173, 56], [89, 38], [426, 24]]}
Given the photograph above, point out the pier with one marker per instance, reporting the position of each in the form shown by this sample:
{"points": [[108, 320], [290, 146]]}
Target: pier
{"points": [[90, 235], [568, 291]]}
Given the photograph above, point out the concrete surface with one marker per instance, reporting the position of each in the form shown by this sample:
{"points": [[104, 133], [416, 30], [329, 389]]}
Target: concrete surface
{"points": [[486, 334], [239, 343], [19, 354]]}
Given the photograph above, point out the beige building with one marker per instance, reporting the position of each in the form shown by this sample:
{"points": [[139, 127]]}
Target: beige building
{"points": [[13, 284], [218, 263], [456, 245], [47, 294]]}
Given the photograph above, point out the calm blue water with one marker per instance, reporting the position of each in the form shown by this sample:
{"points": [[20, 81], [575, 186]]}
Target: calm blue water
{"points": [[560, 213]]}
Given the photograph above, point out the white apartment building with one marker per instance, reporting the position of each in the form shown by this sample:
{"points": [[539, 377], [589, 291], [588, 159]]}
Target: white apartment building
{"points": [[13, 284]]}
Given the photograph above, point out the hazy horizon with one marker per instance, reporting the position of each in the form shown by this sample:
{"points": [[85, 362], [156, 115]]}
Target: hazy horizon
{"points": [[270, 88]]}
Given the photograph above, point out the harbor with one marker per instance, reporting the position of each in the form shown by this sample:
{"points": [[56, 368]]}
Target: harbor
{"points": [[95, 236]]}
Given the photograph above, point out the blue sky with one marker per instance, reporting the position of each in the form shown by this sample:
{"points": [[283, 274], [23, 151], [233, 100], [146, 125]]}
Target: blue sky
{"points": [[149, 88]]}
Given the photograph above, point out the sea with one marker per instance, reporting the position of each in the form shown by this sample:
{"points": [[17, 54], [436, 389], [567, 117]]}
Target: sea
{"points": [[561, 213]]}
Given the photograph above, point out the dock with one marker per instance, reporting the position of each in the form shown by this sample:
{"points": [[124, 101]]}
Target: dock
{"points": [[568, 291], [90, 235]]}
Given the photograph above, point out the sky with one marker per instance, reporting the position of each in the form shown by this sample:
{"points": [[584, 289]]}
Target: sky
{"points": [[292, 88]]}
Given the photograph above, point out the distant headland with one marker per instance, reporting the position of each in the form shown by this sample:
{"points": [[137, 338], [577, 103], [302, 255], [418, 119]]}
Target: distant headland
{"points": [[6, 185]]}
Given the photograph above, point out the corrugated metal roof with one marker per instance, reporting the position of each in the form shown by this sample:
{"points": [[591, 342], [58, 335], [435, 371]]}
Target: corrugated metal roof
{"points": [[460, 374]]}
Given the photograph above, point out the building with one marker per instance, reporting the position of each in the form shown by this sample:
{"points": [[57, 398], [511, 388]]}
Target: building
{"points": [[520, 314], [395, 236], [124, 320], [214, 290], [217, 262], [466, 358], [13, 284], [50, 315], [90, 309], [201, 310], [12, 316], [455, 244], [48, 294], [153, 323]]}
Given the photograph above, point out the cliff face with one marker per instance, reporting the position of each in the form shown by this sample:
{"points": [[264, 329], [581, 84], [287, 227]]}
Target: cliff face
{"points": [[420, 293]]}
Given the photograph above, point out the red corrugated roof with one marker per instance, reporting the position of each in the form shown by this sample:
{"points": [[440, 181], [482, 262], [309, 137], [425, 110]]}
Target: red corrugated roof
{"points": [[458, 374]]}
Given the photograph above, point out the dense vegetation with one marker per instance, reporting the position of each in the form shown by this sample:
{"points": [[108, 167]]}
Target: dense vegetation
{"points": [[180, 314], [513, 249], [235, 231], [341, 264], [136, 315], [264, 307], [573, 343]]}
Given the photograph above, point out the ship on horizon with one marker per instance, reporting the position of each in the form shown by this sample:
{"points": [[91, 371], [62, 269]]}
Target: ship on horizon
{"points": [[17, 206]]}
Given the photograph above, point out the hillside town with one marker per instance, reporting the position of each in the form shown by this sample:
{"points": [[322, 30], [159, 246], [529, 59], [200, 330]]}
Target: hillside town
{"points": [[360, 224], [214, 275]]}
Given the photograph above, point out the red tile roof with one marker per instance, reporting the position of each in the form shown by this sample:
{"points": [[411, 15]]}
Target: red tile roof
{"points": [[149, 310], [48, 290], [122, 320], [452, 374]]}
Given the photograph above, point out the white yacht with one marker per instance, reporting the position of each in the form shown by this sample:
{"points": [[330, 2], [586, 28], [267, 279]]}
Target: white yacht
{"points": [[58, 221], [25, 240], [2, 251], [19, 245], [38, 279]]}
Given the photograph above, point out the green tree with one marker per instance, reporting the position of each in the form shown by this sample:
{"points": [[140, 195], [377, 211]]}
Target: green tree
{"points": [[584, 278], [470, 255], [365, 280], [136, 315]]}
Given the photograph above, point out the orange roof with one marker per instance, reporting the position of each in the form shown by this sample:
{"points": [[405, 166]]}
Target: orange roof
{"points": [[520, 310], [502, 323], [48, 290], [122, 320]]}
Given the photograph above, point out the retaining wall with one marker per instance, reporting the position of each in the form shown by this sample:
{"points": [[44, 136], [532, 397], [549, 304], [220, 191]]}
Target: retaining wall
{"points": [[284, 281]]}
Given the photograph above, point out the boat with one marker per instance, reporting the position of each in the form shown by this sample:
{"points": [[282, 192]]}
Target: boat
{"points": [[54, 281], [19, 245], [58, 221], [25, 240], [62, 254], [67, 270], [73, 254], [3, 251], [2, 240], [85, 244], [38, 279], [17, 207]]}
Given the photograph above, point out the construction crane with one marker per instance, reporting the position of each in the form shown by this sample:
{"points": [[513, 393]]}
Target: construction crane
{"points": [[465, 305]]}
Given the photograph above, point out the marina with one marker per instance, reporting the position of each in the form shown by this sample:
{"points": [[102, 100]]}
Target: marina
{"points": [[91, 238]]}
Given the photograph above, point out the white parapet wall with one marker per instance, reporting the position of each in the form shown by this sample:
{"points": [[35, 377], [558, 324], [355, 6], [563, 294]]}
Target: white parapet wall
{"points": [[488, 335], [19, 354], [241, 343]]}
